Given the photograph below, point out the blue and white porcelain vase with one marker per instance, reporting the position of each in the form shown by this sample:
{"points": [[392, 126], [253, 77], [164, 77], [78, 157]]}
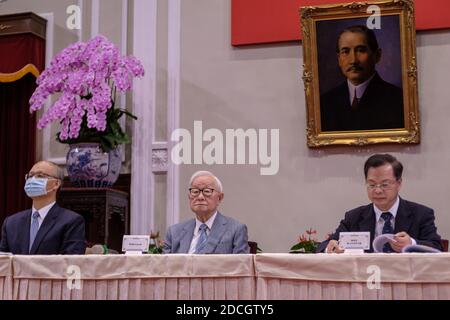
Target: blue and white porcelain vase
{"points": [[88, 166]]}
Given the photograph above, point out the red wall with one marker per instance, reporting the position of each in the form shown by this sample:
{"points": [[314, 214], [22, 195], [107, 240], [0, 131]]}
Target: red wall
{"points": [[265, 21]]}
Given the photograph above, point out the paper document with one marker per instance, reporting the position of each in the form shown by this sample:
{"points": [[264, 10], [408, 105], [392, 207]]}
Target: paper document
{"points": [[379, 242]]}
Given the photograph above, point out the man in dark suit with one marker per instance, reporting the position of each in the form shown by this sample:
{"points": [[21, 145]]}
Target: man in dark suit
{"points": [[412, 223], [210, 231], [46, 228], [364, 101]]}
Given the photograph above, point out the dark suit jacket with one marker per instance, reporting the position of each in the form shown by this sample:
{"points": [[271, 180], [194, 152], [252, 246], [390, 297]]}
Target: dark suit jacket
{"points": [[413, 218], [61, 232], [380, 107], [227, 236]]}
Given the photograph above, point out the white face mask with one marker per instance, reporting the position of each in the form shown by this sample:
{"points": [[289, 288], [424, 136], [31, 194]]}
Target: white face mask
{"points": [[35, 187]]}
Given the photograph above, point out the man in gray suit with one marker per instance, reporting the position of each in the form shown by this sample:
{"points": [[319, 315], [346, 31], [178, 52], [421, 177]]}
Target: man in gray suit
{"points": [[210, 231]]}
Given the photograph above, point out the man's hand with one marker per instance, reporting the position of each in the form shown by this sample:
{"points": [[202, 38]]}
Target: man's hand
{"points": [[333, 247], [401, 240]]}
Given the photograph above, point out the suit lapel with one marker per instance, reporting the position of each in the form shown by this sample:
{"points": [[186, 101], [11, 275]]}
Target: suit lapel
{"points": [[367, 222], [403, 218], [186, 236], [25, 236], [47, 224], [217, 230]]}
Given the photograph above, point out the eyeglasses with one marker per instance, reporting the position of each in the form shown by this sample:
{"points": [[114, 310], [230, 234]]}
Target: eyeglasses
{"points": [[387, 185], [195, 192], [39, 175]]}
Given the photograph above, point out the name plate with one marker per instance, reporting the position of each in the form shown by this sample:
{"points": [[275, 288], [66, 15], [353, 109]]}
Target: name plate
{"points": [[354, 240], [135, 244]]}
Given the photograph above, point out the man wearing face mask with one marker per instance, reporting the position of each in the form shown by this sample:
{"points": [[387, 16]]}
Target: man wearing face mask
{"points": [[46, 228]]}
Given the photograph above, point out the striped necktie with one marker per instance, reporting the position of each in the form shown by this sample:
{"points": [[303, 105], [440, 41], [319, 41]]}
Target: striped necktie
{"points": [[34, 227], [202, 239]]}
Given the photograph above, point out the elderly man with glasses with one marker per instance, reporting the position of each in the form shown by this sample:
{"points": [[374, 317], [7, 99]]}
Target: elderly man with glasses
{"points": [[411, 223], [210, 231], [46, 228]]}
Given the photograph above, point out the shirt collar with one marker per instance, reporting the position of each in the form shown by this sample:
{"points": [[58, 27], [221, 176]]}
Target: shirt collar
{"points": [[393, 210], [208, 222], [44, 210], [360, 89]]}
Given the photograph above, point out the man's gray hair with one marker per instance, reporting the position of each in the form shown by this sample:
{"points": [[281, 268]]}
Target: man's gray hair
{"points": [[206, 174], [59, 170]]}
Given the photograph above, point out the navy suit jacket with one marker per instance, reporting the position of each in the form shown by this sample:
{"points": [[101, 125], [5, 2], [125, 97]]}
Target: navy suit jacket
{"points": [[227, 236], [61, 232], [412, 218], [380, 107]]}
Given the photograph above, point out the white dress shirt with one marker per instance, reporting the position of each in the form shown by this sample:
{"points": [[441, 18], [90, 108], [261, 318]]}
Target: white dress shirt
{"points": [[42, 212], [196, 236], [360, 89], [380, 222]]}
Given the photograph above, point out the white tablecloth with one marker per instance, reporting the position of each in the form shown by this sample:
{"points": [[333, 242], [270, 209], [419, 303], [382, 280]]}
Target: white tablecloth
{"points": [[235, 277], [6, 277], [323, 276], [135, 277]]}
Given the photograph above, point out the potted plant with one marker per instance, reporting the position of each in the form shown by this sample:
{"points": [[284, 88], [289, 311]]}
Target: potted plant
{"points": [[306, 244], [87, 77]]}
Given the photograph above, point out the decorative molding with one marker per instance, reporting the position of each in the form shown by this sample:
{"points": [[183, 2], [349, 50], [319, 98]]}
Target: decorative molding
{"points": [[412, 70], [5, 27], [160, 158], [144, 90], [21, 23]]}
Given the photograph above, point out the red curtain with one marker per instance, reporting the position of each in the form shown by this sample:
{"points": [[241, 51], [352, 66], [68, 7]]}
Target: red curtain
{"points": [[16, 51], [17, 125], [17, 143]]}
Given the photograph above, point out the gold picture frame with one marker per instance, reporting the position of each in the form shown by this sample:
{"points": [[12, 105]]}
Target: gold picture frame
{"points": [[322, 27]]}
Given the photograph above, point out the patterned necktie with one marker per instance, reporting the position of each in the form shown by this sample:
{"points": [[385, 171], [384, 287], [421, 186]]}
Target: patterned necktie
{"points": [[202, 239], [355, 102], [387, 228], [34, 227]]}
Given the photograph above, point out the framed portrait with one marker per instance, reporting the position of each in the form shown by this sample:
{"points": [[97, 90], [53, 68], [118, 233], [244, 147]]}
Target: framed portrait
{"points": [[360, 73]]}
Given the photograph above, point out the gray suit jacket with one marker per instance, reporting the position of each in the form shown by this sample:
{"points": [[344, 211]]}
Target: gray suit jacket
{"points": [[227, 236]]}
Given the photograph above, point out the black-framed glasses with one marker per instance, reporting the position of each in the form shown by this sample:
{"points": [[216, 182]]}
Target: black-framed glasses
{"points": [[39, 175], [195, 192]]}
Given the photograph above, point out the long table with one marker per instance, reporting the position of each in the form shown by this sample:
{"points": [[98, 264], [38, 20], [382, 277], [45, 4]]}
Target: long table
{"points": [[226, 277], [366, 276]]}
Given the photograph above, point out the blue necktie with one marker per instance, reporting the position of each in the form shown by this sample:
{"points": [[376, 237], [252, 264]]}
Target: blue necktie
{"points": [[202, 239], [387, 228], [34, 227]]}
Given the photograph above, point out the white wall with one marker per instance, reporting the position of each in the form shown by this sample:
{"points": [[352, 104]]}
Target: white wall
{"points": [[261, 87]]}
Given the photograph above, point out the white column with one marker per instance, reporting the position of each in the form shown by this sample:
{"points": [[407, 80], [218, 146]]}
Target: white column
{"points": [[144, 90], [173, 101], [95, 18]]}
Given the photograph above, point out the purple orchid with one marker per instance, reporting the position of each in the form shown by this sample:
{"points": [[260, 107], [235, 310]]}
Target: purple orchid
{"points": [[85, 74]]}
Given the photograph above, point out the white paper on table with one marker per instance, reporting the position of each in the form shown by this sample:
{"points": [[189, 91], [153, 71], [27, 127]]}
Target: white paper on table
{"points": [[379, 242]]}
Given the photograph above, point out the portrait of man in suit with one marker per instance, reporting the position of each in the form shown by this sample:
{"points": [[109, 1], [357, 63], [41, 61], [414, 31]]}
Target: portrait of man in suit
{"points": [[410, 222], [46, 228], [210, 231], [363, 101]]}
